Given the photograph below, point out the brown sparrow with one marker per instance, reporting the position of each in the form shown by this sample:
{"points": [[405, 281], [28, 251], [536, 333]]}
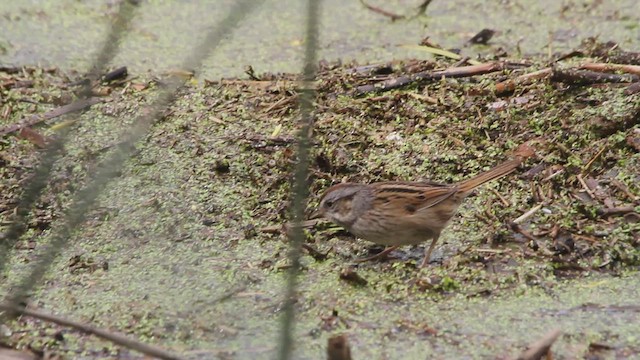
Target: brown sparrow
{"points": [[401, 213]]}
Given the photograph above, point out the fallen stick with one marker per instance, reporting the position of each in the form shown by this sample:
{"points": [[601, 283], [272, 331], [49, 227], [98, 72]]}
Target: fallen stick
{"points": [[541, 347], [632, 89], [511, 84], [9, 354], [454, 72], [586, 77], [442, 52], [620, 210], [527, 214], [603, 67], [38, 118], [113, 337], [383, 12]]}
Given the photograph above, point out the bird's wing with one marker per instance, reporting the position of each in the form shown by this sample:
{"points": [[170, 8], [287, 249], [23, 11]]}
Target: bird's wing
{"points": [[411, 197]]}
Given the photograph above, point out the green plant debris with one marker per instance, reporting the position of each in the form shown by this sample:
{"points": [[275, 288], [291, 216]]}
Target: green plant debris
{"points": [[174, 253]]}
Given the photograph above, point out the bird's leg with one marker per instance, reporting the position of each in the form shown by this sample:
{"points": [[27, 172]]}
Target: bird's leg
{"points": [[427, 254], [380, 255]]}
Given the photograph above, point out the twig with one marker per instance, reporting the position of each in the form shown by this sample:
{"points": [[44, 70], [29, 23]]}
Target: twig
{"points": [[511, 84], [490, 251], [603, 67], [553, 175], [632, 89], [441, 52], [267, 140], [10, 69], [616, 210], [464, 60], [518, 229], [590, 239], [89, 329], [34, 186], [622, 187], [110, 167], [281, 102], [594, 158], [586, 77], [541, 347], [38, 118], [456, 72], [586, 187], [520, 219], [425, 98], [315, 253], [504, 201], [383, 12]]}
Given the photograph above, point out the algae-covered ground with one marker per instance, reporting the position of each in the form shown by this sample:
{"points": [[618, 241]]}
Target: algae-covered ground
{"points": [[175, 251]]}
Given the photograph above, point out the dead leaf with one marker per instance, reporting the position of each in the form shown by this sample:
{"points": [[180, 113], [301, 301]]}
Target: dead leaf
{"points": [[33, 137]]}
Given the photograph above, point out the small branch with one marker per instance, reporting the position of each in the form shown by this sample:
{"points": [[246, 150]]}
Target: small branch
{"points": [[541, 347], [504, 201], [586, 187], [632, 89], [518, 229], [442, 52], [527, 215], [511, 84], [38, 118], [607, 68], [586, 77], [383, 12], [622, 187], [490, 251], [282, 102], [422, 8], [104, 334], [314, 253], [616, 211], [10, 69], [455, 72], [593, 159], [554, 174]]}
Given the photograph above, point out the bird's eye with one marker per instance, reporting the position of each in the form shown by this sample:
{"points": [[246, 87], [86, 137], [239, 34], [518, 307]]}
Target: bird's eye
{"points": [[328, 204]]}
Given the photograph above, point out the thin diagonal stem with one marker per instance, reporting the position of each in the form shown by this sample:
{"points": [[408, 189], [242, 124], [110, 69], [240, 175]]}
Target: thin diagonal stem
{"points": [[111, 167], [38, 181], [300, 186]]}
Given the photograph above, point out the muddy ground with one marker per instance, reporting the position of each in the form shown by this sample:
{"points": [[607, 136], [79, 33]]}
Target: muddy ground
{"points": [[176, 252]]}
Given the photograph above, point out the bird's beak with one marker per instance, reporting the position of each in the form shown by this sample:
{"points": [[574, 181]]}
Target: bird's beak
{"points": [[317, 214]]}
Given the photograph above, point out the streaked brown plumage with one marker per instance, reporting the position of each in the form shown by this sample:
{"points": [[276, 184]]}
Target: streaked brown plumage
{"points": [[401, 213]]}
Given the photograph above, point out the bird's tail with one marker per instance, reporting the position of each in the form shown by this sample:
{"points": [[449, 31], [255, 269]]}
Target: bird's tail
{"points": [[495, 173]]}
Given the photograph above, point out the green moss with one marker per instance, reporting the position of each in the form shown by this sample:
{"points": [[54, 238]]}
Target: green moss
{"points": [[186, 270]]}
